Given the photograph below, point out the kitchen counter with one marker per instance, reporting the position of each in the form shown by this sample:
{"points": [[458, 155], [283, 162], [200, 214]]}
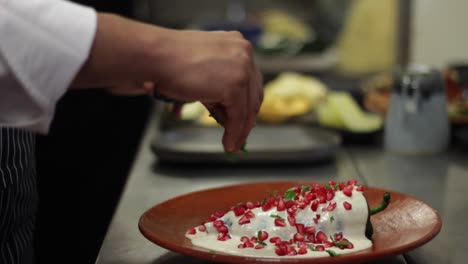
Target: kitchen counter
{"points": [[440, 180]]}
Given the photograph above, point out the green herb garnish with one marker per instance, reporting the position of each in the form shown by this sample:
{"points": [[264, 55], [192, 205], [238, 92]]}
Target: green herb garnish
{"points": [[332, 253], [312, 248], [305, 188], [290, 195], [332, 219], [341, 244], [277, 217]]}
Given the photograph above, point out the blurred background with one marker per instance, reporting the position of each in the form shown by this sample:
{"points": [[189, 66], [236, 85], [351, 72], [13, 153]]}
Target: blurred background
{"points": [[331, 65]]}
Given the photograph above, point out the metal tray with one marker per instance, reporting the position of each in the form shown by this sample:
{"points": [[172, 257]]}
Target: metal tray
{"points": [[266, 144]]}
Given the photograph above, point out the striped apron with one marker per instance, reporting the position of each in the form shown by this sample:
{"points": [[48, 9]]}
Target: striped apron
{"points": [[18, 196]]}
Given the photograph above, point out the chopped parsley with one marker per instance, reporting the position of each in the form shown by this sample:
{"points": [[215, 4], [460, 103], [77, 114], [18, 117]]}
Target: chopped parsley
{"points": [[305, 188], [341, 244], [290, 195], [332, 253], [312, 248], [332, 219], [277, 217]]}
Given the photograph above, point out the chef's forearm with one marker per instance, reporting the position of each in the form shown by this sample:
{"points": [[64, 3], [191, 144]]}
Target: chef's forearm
{"points": [[123, 51]]}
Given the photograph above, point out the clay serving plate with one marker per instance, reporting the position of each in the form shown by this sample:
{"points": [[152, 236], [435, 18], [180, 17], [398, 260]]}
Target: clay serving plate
{"points": [[407, 223]]}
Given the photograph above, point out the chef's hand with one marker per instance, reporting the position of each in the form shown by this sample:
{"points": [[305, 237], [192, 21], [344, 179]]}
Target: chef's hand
{"points": [[217, 69]]}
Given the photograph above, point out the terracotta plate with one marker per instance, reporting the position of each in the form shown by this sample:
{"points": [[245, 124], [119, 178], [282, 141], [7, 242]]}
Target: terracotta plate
{"points": [[406, 224]]}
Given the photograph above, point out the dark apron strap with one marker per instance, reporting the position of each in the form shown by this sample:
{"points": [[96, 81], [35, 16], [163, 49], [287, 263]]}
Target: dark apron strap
{"points": [[18, 196]]}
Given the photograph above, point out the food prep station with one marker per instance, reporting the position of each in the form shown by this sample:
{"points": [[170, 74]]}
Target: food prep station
{"points": [[440, 180]]}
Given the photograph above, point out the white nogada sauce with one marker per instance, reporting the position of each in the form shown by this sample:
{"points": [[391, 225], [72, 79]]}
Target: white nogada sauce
{"points": [[352, 223]]}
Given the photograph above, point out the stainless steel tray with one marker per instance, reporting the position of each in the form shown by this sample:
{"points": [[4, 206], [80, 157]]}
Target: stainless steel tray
{"points": [[266, 144]]}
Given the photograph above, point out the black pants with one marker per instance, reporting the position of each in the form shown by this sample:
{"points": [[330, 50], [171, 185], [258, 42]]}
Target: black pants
{"points": [[18, 196]]}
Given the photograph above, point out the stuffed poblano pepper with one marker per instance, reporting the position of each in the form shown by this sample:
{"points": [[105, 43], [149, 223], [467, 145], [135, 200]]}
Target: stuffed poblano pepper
{"points": [[317, 220]]}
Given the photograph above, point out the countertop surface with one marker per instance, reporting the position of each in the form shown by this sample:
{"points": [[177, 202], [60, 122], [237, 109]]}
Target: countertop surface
{"points": [[440, 180]]}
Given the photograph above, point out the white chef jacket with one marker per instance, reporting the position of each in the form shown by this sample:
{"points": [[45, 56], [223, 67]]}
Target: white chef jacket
{"points": [[43, 44]]}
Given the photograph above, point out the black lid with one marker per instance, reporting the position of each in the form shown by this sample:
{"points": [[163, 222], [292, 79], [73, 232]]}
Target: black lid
{"points": [[419, 77]]}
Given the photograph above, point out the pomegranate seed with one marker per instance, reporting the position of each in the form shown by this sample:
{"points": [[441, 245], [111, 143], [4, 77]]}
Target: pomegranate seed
{"points": [[258, 204], [238, 211], [292, 252], [299, 237], [316, 221], [259, 246], [311, 238], [322, 198], [328, 244], [302, 251], [202, 228], [309, 230], [301, 205], [341, 186], [280, 252], [241, 246], [275, 240], [223, 236], [333, 183], [218, 223], [250, 205], [360, 188], [292, 210], [338, 236], [279, 222], [266, 207], [347, 206], [213, 217], [253, 239], [330, 195], [320, 248], [192, 231], [352, 182], [314, 205], [244, 220], [289, 204], [311, 196], [300, 228], [281, 205], [249, 214], [301, 244], [263, 235], [321, 237], [219, 214], [350, 246], [298, 190], [249, 244], [292, 220], [222, 229], [331, 206], [348, 190], [244, 239]]}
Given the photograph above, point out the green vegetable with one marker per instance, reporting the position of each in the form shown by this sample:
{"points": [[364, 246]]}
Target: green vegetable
{"points": [[373, 211], [290, 195], [342, 112], [332, 219], [332, 253], [277, 216]]}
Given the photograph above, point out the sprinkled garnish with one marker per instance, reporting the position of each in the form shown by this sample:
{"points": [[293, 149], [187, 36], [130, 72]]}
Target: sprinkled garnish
{"points": [[332, 253], [332, 219], [305, 188], [277, 217], [290, 195]]}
